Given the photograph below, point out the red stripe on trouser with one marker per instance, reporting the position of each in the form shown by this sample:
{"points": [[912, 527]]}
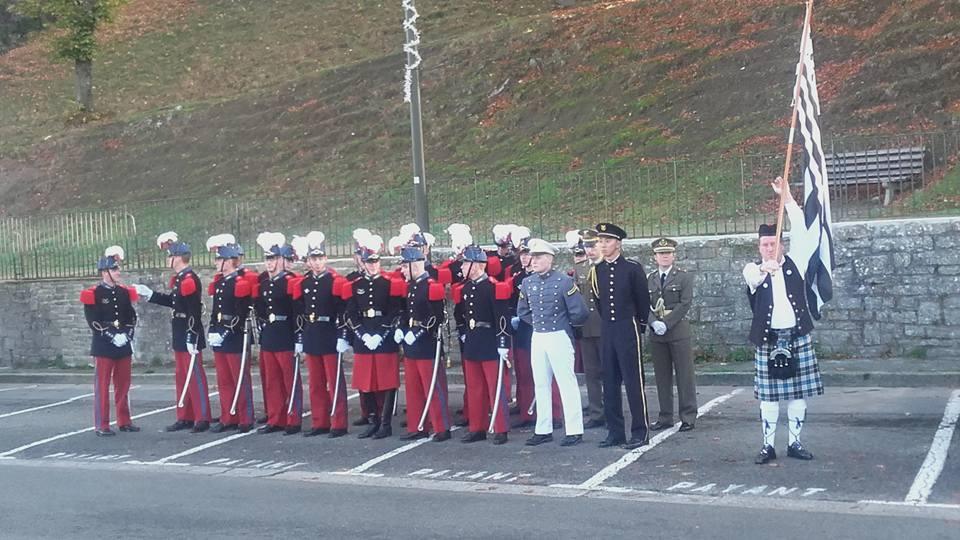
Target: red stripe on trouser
{"points": [[481, 394], [119, 371], [418, 373], [263, 385], [228, 373], [466, 402], [195, 403], [323, 384], [281, 386]]}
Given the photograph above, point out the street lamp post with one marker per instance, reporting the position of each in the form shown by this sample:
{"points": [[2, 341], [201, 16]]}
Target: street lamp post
{"points": [[412, 96]]}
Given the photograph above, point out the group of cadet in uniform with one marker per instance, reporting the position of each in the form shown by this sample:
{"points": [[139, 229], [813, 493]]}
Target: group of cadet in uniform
{"points": [[514, 313]]}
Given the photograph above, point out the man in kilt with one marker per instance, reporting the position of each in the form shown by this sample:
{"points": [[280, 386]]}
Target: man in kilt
{"points": [[786, 366]]}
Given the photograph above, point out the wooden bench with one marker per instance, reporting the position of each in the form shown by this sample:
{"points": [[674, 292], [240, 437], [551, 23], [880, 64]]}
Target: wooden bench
{"points": [[887, 167]]}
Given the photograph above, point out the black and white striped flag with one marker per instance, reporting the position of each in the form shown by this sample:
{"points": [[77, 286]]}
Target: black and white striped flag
{"points": [[815, 245]]}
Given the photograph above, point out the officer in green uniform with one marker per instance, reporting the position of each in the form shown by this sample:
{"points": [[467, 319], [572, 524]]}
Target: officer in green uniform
{"points": [[671, 294]]}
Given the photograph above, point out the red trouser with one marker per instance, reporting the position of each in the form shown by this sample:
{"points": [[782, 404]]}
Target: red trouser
{"points": [[466, 402], [481, 393], [419, 373], [283, 385], [103, 368], [525, 393], [228, 373], [196, 404], [324, 378]]}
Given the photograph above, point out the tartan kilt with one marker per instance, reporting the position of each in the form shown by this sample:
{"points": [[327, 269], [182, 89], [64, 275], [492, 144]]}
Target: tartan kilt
{"points": [[806, 383]]}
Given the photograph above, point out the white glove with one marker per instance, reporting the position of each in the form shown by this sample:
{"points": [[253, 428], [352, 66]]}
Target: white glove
{"points": [[119, 340], [770, 267], [515, 322], [214, 339], [143, 291], [409, 338], [342, 345], [659, 327], [366, 340], [192, 348], [375, 342], [298, 348], [398, 335], [463, 338]]}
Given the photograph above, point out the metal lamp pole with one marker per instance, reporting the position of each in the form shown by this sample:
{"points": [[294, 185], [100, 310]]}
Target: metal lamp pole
{"points": [[412, 96]]}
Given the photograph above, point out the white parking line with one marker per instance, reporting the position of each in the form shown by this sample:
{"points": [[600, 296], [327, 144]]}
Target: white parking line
{"points": [[19, 388], [41, 407], [937, 455], [611, 470], [211, 444], [359, 469], [41, 442], [47, 406]]}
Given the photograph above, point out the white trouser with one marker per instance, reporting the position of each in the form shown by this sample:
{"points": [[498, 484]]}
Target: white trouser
{"points": [[551, 356]]}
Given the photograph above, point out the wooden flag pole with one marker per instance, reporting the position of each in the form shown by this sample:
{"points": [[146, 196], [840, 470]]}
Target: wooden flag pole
{"points": [[785, 178]]}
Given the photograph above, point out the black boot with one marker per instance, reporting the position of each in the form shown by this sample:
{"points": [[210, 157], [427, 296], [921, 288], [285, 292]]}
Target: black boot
{"points": [[373, 420], [386, 418]]}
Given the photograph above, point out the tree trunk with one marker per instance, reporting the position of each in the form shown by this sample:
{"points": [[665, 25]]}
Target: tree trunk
{"points": [[84, 86]]}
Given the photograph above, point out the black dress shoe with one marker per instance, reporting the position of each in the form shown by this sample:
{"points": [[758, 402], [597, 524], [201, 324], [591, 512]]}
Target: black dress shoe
{"points": [[537, 440], [385, 431], [267, 428], [659, 426], [796, 450], [316, 431], [220, 428], [412, 436], [766, 455], [372, 428], [441, 436], [360, 422], [244, 428], [571, 440], [179, 425], [524, 424], [635, 442], [500, 438], [334, 433], [474, 436], [594, 424], [685, 427], [262, 419], [105, 432], [291, 430], [611, 442], [129, 428], [200, 426]]}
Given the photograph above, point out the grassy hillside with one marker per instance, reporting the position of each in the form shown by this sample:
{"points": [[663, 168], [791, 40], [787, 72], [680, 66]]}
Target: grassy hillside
{"points": [[249, 97]]}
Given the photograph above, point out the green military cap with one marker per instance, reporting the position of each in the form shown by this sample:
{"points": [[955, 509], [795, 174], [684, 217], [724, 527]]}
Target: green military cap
{"points": [[588, 236], [664, 245]]}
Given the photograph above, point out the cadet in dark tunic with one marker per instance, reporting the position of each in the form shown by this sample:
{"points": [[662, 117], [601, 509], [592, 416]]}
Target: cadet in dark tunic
{"points": [[227, 334], [620, 288], [188, 339], [319, 311], [108, 308], [275, 297], [419, 331], [371, 315], [481, 316]]}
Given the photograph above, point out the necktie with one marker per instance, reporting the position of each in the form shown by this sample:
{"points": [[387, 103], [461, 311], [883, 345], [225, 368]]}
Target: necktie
{"points": [[663, 278]]}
